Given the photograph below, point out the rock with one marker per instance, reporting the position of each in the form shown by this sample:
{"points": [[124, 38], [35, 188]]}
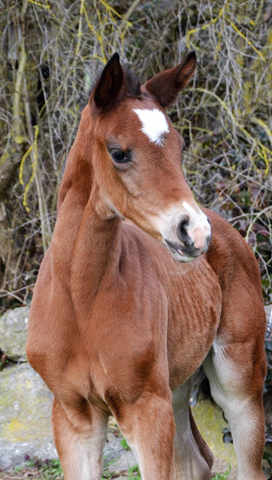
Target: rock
{"points": [[25, 427], [13, 333], [268, 311], [25, 407], [125, 462], [113, 449]]}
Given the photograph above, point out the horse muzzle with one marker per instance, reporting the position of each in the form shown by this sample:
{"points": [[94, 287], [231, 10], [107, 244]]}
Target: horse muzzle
{"points": [[190, 238]]}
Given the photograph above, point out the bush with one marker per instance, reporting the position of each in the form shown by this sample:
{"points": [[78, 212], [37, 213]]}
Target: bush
{"points": [[52, 51]]}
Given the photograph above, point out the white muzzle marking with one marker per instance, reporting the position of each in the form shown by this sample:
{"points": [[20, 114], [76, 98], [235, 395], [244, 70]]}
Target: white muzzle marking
{"points": [[198, 227]]}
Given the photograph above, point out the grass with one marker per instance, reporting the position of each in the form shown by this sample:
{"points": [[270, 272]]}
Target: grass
{"points": [[51, 470], [124, 444], [223, 476]]}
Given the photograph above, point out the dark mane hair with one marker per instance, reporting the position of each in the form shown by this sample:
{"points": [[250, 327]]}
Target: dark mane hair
{"points": [[132, 84]]}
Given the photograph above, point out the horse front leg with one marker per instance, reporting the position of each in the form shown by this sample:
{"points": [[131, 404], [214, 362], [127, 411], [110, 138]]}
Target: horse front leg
{"points": [[236, 374], [193, 458], [148, 426], [79, 435]]}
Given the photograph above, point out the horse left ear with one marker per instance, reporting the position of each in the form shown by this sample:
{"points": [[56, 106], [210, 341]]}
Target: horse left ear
{"points": [[109, 85], [165, 86]]}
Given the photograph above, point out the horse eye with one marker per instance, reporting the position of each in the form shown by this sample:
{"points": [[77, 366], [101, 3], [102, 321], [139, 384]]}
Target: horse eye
{"points": [[120, 157]]}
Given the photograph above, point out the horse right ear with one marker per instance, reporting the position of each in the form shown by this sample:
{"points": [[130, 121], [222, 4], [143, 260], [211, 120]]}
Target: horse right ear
{"points": [[165, 86], [109, 85]]}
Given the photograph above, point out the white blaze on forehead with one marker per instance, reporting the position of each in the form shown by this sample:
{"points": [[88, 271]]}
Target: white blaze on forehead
{"points": [[154, 124]]}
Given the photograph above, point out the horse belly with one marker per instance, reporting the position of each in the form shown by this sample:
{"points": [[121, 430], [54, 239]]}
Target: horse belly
{"points": [[193, 322]]}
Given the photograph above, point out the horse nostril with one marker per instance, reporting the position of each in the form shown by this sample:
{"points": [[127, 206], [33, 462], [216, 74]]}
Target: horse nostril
{"points": [[182, 232]]}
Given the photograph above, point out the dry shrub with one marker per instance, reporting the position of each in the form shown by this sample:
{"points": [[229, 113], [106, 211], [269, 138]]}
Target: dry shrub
{"points": [[51, 52]]}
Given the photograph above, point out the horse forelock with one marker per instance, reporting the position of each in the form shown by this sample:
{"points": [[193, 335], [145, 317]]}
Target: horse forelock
{"points": [[132, 85]]}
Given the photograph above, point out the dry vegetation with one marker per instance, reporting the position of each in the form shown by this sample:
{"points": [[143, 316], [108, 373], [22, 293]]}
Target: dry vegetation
{"points": [[51, 52]]}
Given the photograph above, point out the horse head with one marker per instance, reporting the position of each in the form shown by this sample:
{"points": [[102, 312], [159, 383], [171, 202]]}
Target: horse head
{"points": [[137, 154]]}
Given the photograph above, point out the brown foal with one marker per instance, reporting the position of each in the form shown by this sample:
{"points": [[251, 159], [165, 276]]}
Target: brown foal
{"points": [[124, 313]]}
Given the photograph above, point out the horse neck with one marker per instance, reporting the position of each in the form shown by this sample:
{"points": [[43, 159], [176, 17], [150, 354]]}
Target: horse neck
{"points": [[85, 245], [77, 178], [96, 255]]}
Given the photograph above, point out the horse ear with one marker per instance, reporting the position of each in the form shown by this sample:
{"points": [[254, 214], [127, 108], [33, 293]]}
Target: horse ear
{"points": [[166, 85], [109, 85]]}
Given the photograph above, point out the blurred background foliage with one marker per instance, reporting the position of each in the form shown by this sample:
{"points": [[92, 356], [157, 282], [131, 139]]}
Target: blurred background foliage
{"points": [[51, 52]]}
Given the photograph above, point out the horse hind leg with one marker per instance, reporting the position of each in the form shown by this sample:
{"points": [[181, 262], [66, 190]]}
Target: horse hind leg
{"points": [[193, 458], [236, 381], [79, 435]]}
